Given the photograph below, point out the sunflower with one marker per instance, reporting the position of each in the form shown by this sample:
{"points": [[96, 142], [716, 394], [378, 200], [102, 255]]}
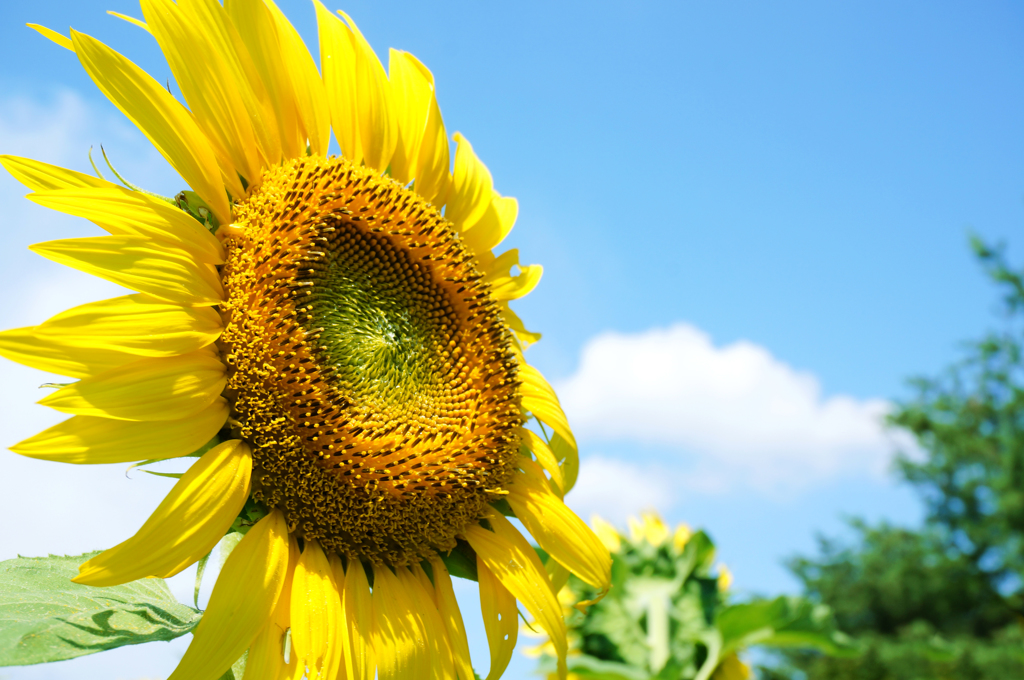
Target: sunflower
{"points": [[330, 337], [668, 616]]}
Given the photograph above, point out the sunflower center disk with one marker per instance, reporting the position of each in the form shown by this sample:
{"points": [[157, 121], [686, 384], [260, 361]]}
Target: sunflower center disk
{"points": [[371, 371]]}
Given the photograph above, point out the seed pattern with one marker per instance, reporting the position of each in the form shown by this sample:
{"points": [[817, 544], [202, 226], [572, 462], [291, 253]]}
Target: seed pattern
{"points": [[369, 367]]}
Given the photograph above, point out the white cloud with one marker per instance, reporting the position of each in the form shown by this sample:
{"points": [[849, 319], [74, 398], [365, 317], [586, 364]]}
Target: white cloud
{"points": [[61, 127], [616, 490], [733, 413]]}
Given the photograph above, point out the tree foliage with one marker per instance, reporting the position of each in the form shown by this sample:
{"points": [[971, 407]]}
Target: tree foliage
{"points": [[946, 600]]}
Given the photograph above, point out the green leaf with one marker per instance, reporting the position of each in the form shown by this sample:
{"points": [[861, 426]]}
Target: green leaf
{"points": [[45, 617], [783, 622], [589, 667], [593, 668]]}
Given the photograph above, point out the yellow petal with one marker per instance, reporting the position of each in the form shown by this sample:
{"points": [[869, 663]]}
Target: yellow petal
{"points": [[448, 607], [557, 573], [472, 188], [289, 73], [315, 614], [543, 402], [412, 87], [266, 660], [301, 71], [197, 40], [648, 528], [422, 594], [124, 212], [234, 60], [356, 629], [135, 324], [731, 668], [189, 522], [654, 526], [243, 600], [505, 286], [358, 92], [399, 642], [540, 400], [681, 537], [556, 528], [133, 262], [515, 563], [377, 126], [23, 346], [494, 225], [570, 460], [520, 285], [724, 578], [159, 116], [95, 441], [338, 66], [257, 29], [53, 35], [433, 180], [39, 176], [607, 533], [524, 336], [498, 607], [131, 20], [544, 455], [148, 389]]}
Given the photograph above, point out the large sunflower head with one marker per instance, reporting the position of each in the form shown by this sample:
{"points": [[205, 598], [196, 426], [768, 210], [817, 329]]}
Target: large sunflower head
{"points": [[329, 335]]}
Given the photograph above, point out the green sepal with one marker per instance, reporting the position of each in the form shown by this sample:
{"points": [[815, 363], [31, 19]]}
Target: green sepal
{"points": [[502, 506], [253, 511], [190, 202], [125, 182], [217, 439], [461, 561], [172, 475], [200, 568], [45, 617]]}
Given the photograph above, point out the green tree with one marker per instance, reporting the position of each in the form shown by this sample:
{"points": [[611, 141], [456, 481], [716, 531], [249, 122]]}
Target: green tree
{"points": [[945, 601]]}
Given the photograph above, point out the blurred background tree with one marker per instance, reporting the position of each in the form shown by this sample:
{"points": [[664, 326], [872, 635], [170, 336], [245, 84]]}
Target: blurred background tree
{"points": [[947, 600]]}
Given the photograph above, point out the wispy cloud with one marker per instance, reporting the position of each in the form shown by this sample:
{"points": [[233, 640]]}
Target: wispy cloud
{"points": [[731, 414]]}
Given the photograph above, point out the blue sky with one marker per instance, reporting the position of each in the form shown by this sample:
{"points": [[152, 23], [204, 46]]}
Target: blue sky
{"points": [[753, 219]]}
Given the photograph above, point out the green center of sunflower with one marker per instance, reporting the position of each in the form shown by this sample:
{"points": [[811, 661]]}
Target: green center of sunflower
{"points": [[385, 325], [371, 371]]}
